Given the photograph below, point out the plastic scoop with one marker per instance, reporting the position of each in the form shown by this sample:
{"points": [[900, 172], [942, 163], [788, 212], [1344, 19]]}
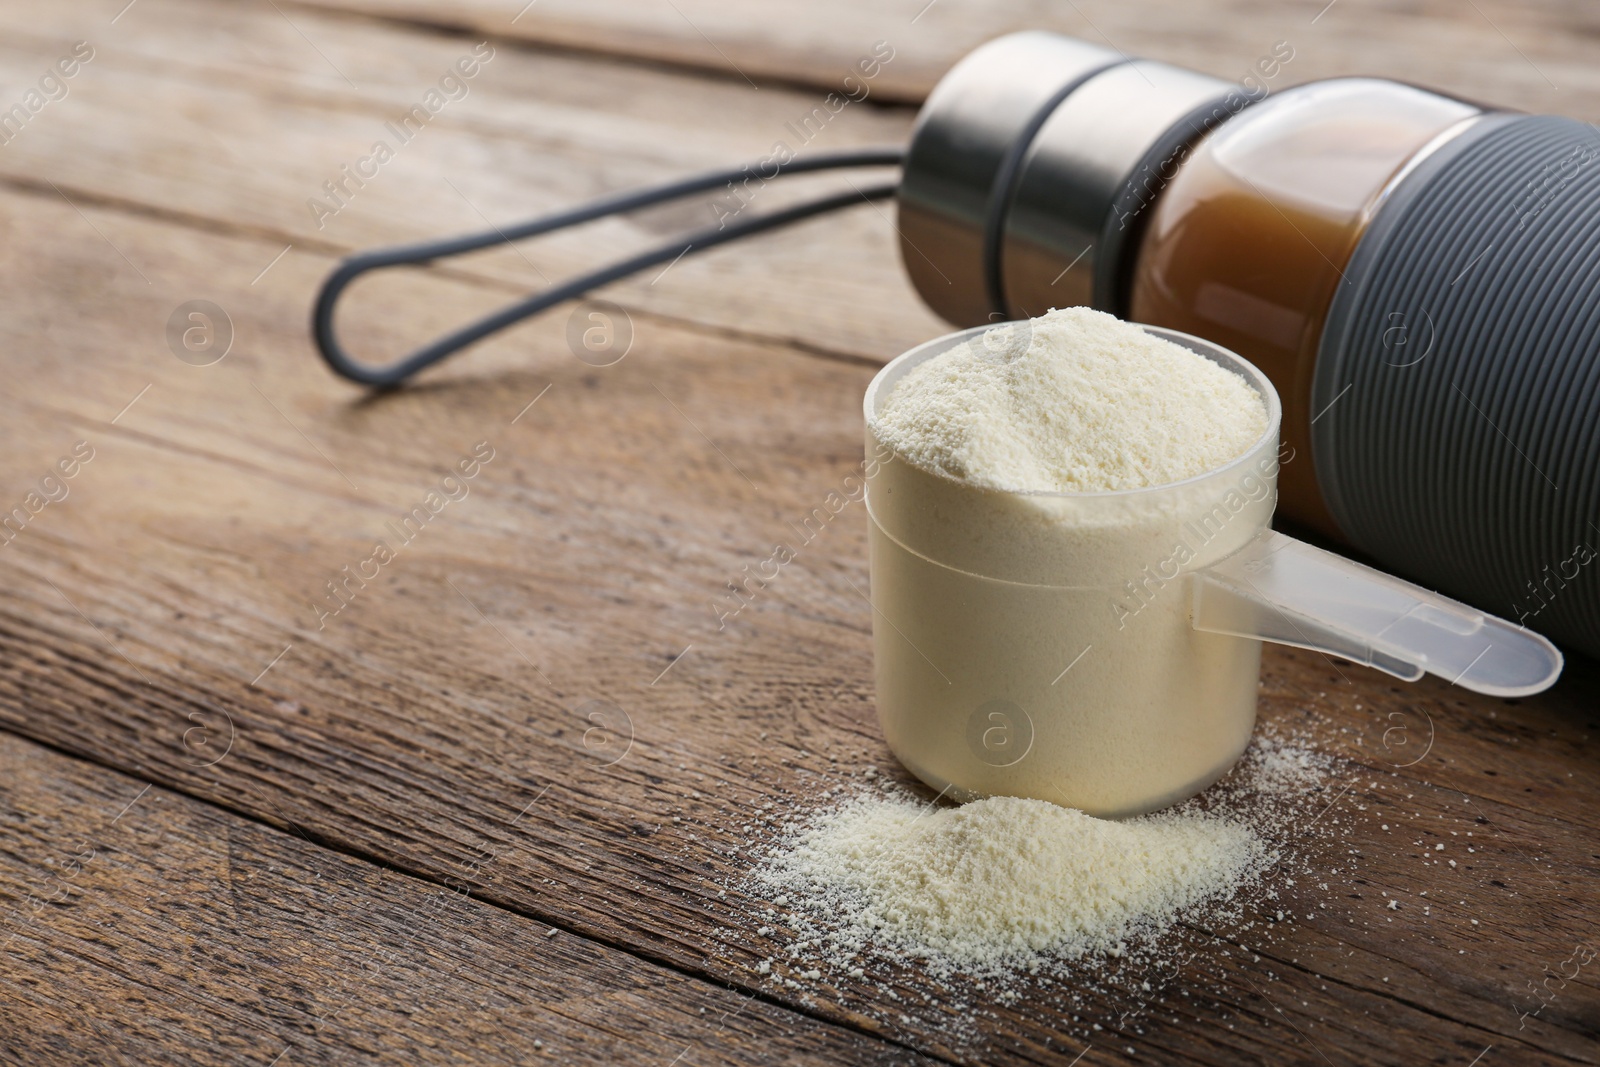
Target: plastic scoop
{"points": [[1102, 650], [1282, 590]]}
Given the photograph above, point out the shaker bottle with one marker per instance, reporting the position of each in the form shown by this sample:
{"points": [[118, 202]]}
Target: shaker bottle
{"points": [[1101, 650], [1414, 272]]}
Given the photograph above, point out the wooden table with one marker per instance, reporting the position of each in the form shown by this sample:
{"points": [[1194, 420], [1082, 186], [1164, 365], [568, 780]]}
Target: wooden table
{"points": [[251, 819]]}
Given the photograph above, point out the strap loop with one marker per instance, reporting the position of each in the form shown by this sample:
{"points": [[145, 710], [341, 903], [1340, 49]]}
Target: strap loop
{"points": [[392, 374]]}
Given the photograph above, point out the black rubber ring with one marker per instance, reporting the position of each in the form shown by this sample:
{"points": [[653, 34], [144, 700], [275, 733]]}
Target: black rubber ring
{"points": [[1114, 260], [1003, 190]]}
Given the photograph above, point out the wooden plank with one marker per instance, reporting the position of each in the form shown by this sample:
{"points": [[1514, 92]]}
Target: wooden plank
{"points": [[1532, 56], [584, 564], [142, 926], [235, 118]]}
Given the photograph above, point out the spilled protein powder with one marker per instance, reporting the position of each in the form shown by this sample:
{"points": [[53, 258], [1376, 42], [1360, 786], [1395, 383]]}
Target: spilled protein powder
{"points": [[1075, 401], [1016, 897], [996, 883]]}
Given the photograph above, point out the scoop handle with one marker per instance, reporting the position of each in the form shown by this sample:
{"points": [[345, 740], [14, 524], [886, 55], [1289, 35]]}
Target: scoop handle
{"points": [[1279, 589]]}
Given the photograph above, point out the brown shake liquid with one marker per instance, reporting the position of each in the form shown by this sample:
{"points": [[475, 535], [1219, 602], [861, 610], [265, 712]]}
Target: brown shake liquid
{"points": [[1248, 243]]}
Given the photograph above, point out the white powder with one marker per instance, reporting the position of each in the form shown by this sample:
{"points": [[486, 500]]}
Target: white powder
{"points": [[990, 884], [1004, 889], [825, 915], [1075, 401]]}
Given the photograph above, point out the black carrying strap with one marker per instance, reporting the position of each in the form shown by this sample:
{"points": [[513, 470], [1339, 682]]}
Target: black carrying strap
{"points": [[392, 374]]}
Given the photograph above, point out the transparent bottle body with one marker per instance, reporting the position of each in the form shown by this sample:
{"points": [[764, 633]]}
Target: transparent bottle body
{"points": [[1248, 242]]}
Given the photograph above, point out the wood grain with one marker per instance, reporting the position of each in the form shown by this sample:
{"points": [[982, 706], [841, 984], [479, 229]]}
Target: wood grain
{"points": [[141, 926], [176, 588], [233, 119], [1533, 56]]}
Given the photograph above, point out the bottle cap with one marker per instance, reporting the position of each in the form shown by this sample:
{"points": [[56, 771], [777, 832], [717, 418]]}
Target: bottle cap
{"points": [[1029, 168]]}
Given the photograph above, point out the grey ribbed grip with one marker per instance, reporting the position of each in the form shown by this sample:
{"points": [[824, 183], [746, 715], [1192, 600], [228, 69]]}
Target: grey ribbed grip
{"points": [[1456, 403]]}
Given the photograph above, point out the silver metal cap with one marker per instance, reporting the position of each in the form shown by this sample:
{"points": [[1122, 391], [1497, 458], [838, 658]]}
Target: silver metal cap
{"points": [[1098, 161], [971, 131], [1024, 160]]}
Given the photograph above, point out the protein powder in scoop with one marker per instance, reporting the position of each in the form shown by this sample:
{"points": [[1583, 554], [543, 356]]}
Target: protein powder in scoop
{"points": [[1074, 402]]}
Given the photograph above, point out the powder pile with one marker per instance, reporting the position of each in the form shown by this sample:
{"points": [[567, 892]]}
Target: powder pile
{"points": [[987, 885], [1003, 889], [1074, 401], [953, 959]]}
